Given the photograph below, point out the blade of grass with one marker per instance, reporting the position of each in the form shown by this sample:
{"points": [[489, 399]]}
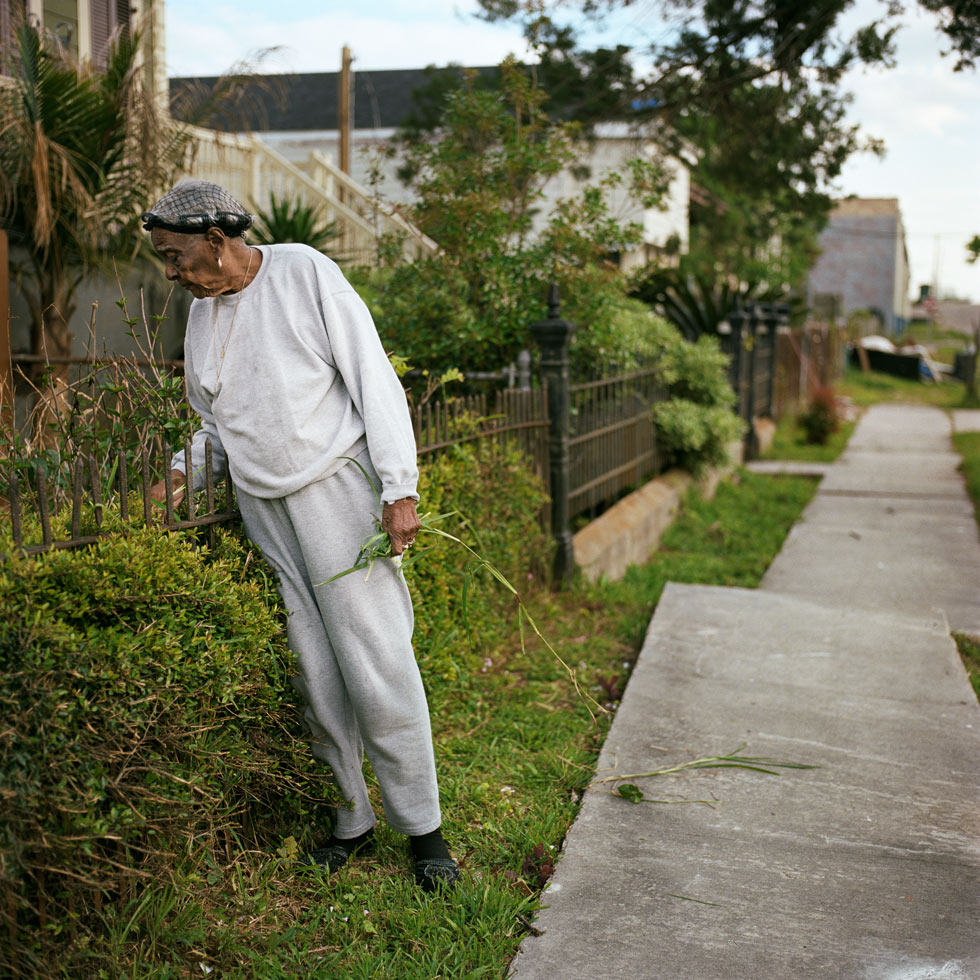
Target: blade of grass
{"points": [[730, 761]]}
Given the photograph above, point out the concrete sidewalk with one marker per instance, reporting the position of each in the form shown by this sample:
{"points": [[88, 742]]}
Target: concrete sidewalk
{"points": [[866, 868]]}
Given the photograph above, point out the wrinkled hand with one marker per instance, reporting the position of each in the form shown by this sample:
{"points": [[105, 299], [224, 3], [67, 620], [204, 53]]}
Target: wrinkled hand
{"points": [[401, 520], [158, 492]]}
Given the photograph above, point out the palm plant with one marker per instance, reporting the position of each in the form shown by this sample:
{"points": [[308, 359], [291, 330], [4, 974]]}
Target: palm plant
{"points": [[694, 302], [81, 153], [294, 220]]}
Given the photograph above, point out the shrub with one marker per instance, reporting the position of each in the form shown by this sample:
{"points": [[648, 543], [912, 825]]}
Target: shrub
{"points": [[147, 714], [498, 501], [821, 419], [694, 436], [695, 424]]}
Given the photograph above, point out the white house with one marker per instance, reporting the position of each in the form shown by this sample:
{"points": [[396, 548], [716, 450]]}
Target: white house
{"points": [[296, 116]]}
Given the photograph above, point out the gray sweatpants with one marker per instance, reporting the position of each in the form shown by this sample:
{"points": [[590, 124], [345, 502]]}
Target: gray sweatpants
{"points": [[353, 643]]}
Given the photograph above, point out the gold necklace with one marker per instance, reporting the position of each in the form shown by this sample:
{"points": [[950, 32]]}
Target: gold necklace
{"points": [[219, 361]]}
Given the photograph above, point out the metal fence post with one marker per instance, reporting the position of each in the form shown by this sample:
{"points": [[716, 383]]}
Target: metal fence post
{"points": [[524, 370], [735, 320], [776, 315], [552, 336], [751, 436]]}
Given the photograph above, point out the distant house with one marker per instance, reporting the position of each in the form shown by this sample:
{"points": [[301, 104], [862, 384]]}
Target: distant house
{"points": [[297, 115], [863, 263]]}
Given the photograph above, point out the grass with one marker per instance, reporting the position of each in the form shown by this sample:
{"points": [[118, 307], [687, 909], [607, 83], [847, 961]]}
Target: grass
{"points": [[969, 647], [515, 748], [789, 442], [967, 444], [874, 387]]}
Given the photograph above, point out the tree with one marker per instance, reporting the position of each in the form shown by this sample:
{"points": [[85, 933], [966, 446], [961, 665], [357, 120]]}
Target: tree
{"points": [[81, 154], [478, 182], [973, 249], [755, 86], [959, 20]]}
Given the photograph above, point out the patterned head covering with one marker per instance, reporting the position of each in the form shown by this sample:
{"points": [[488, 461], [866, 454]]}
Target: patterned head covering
{"points": [[193, 206]]}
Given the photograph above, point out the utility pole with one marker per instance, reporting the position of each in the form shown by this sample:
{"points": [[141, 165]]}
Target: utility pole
{"points": [[343, 109]]}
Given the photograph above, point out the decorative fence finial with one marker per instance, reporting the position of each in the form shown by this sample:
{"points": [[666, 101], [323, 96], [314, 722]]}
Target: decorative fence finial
{"points": [[554, 302]]}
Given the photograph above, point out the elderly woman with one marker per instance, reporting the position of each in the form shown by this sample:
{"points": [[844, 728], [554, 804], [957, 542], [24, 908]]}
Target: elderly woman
{"points": [[286, 370]]}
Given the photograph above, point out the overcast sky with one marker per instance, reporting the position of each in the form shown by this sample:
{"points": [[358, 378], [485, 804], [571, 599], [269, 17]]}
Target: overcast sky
{"points": [[926, 113]]}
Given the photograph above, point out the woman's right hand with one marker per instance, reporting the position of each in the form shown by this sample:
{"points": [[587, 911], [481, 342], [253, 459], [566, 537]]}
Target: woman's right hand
{"points": [[158, 492]]}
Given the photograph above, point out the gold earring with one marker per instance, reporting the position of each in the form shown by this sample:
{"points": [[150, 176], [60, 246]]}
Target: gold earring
{"points": [[219, 261]]}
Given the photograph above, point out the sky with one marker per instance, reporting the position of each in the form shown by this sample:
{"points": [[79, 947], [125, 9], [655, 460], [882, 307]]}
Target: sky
{"points": [[926, 113]]}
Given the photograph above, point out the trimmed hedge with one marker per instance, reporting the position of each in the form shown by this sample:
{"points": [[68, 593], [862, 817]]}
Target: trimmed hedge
{"points": [[147, 713]]}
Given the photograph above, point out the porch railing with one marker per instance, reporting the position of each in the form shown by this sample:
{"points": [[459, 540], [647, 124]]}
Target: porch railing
{"points": [[251, 171]]}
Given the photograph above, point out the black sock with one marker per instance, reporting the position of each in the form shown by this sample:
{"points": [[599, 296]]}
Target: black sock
{"points": [[429, 845], [351, 844]]}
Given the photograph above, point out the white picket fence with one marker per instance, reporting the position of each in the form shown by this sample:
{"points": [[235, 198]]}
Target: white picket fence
{"points": [[251, 171]]}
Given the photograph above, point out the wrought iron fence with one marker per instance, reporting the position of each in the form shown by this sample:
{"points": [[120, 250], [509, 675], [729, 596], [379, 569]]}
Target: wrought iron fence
{"points": [[43, 491], [751, 347], [47, 496], [510, 413], [612, 440]]}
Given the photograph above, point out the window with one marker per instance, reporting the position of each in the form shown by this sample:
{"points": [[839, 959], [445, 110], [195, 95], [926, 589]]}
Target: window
{"points": [[60, 21], [107, 17]]}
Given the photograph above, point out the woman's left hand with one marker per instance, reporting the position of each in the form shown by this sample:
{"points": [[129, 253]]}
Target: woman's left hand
{"points": [[401, 520]]}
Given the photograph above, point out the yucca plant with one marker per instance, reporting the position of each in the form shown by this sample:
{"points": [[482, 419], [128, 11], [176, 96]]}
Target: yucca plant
{"points": [[291, 219], [81, 153]]}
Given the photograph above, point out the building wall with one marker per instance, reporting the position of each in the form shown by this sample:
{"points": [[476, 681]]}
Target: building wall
{"points": [[144, 288], [863, 264]]}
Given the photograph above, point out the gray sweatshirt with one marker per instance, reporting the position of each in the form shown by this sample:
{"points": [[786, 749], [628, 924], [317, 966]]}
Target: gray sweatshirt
{"points": [[303, 382]]}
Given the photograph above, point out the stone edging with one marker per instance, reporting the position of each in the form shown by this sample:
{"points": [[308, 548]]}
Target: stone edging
{"points": [[630, 530]]}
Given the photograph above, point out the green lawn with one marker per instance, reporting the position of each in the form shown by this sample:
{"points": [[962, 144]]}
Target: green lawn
{"points": [[875, 387], [967, 444], [515, 747]]}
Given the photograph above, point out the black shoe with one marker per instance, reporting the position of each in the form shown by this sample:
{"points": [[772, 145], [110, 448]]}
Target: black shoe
{"points": [[433, 873], [335, 855], [331, 858]]}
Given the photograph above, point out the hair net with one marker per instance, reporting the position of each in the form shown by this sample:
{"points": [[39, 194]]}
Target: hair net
{"points": [[193, 206]]}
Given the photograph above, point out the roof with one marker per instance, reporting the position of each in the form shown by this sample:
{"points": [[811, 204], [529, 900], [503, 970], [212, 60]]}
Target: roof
{"points": [[866, 207], [301, 102]]}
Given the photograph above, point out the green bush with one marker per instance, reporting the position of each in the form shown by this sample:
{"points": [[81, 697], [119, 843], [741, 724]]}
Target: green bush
{"points": [[821, 419], [694, 436], [458, 614], [147, 714], [695, 424]]}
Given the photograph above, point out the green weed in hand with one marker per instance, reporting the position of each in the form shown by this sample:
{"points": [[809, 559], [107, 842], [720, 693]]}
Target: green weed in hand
{"points": [[378, 545]]}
